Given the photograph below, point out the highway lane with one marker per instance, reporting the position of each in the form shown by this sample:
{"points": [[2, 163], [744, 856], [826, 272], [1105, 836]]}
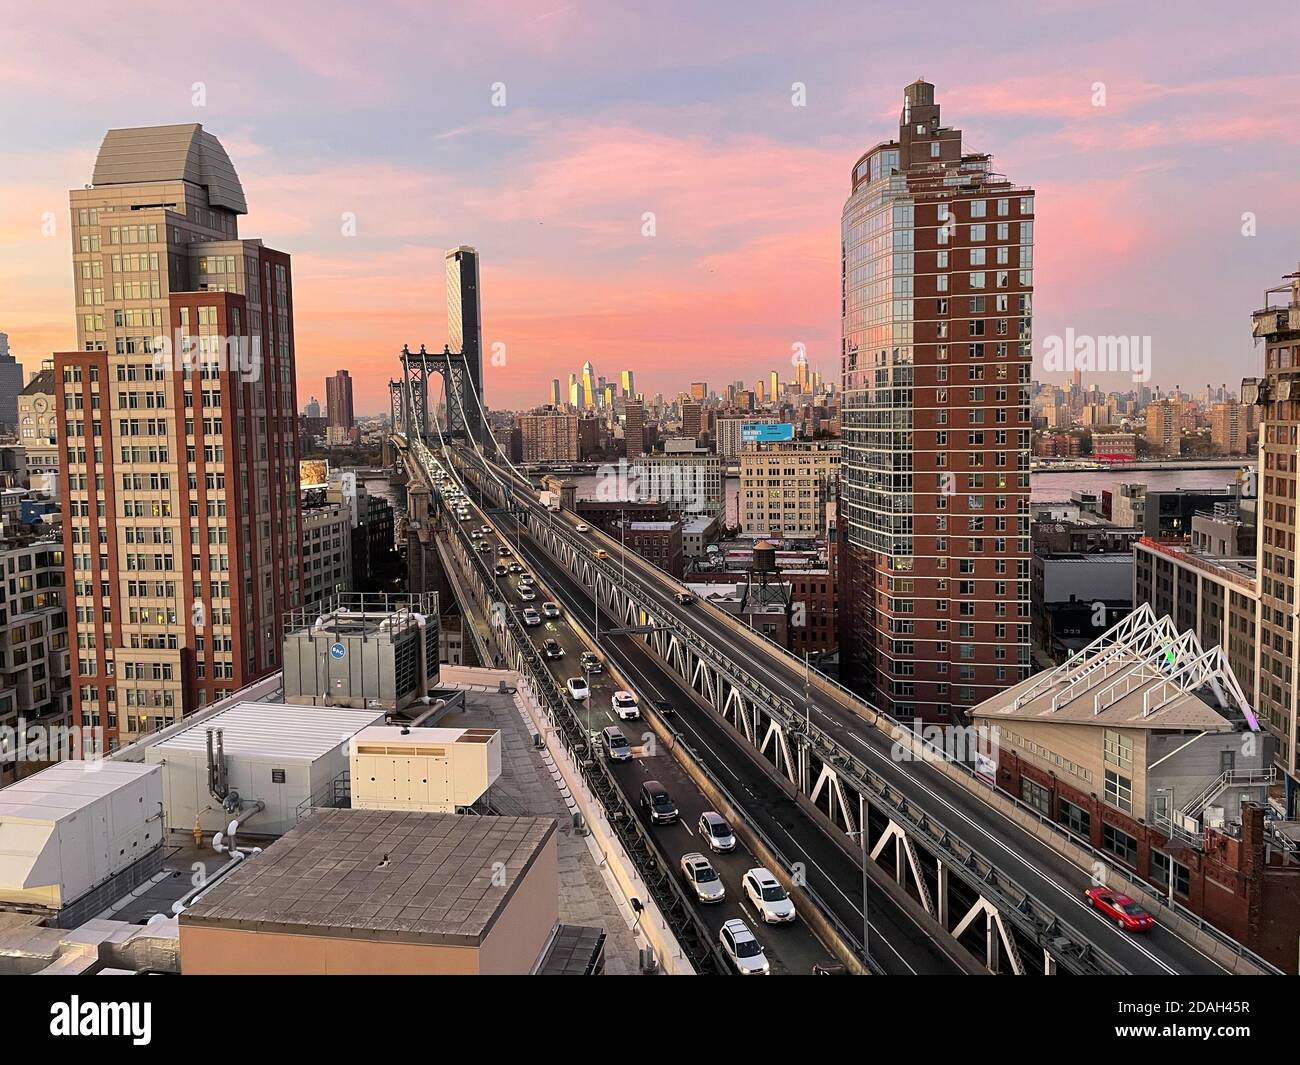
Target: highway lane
{"points": [[791, 949], [897, 944], [1057, 882]]}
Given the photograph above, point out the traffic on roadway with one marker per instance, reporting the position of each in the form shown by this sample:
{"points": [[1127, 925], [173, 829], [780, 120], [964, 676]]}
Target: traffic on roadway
{"points": [[1038, 868], [608, 704]]}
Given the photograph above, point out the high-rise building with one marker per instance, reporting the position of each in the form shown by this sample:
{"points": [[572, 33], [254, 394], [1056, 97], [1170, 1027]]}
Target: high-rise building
{"points": [[11, 383], [465, 322], [699, 390], [1229, 428], [341, 420], [588, 382], [937, 279], [1164, 426], [556, 400], [692, 422], [1277, 692], [575, 392], [180, 487], [784, 488], [634, 428], [629, 385], [774, 387], [549, 436]]}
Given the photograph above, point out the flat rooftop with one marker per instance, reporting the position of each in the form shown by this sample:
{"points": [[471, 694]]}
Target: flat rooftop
{"points": [[290, 731], [399, 875]]}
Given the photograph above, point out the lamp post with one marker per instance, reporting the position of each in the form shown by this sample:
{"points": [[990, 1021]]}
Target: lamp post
{"points": [[866, 921]]}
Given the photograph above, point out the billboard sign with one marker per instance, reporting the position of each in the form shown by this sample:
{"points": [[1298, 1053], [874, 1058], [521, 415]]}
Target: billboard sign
{"points": [[765, 432]]}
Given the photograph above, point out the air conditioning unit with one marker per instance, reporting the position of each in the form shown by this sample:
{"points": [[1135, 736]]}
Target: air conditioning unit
{"points": [[647, 961], [580, 825]]}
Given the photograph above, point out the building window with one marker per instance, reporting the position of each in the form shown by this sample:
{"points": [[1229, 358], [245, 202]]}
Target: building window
{"points": [[1160, 864], [1118, 749], [1119, 843], [1075, 818], [1119, 791], [1036, 796]]}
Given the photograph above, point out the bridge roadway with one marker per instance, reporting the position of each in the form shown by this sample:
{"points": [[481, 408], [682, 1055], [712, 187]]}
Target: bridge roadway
{"points": [[898, 945], [1038, 868], [790, 949]]}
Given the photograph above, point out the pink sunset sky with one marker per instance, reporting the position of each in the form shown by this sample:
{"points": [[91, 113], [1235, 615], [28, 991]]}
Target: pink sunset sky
{"points": [[612, 110]]}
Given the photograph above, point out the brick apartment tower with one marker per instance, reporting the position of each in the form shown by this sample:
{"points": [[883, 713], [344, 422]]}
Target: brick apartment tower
{"points": [[937, 276], [180, 490], [1277, 694], [338, 401]]}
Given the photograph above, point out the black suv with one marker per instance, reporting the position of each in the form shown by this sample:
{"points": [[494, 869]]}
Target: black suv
{"points": [[656, 800]]}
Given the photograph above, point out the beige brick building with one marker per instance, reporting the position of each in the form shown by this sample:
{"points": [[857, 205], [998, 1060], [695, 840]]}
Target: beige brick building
{"points": [[180, 486], [784, 488]]}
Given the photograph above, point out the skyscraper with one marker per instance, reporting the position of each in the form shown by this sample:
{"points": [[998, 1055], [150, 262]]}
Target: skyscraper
{"points": [[1277, 694], [774, 387], [700, 390], [634, 428], [180, 491], [629, 385], [937, 260], [588, 386], [11, 383], [555, 400], [340, 419], [465, 324]]}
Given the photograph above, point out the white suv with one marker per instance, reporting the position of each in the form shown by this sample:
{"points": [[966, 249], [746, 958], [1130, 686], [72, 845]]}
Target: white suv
{"points": [[768, 896], [625, 706], [745, 952]]}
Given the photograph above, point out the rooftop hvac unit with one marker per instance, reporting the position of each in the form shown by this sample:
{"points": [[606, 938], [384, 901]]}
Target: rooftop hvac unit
{"points": [[436, 769], [68, 829], [362, 659]]}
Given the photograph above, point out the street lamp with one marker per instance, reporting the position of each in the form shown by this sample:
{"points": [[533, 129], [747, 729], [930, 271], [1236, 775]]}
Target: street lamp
{"points": [[866, 921]]}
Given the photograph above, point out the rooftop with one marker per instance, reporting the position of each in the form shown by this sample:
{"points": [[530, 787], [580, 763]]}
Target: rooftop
{"points": [[288, 730], [65, 788], [1140, 673], [41, 384], [399, 875], [170, 153]]}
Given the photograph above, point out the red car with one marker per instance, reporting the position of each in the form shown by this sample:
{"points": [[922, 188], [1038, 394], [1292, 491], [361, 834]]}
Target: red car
{"points": [[1121, 909]]}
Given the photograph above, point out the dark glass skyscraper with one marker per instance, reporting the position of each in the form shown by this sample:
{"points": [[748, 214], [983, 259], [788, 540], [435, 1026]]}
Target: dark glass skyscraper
{"points": [[465, 319]]}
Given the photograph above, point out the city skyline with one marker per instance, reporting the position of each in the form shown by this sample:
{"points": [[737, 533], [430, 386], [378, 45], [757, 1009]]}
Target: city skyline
{"points": [[553, 187]]}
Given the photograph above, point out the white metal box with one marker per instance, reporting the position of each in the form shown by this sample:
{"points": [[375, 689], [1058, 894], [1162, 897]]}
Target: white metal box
{"points": [[68, 829], [434, 769]]}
